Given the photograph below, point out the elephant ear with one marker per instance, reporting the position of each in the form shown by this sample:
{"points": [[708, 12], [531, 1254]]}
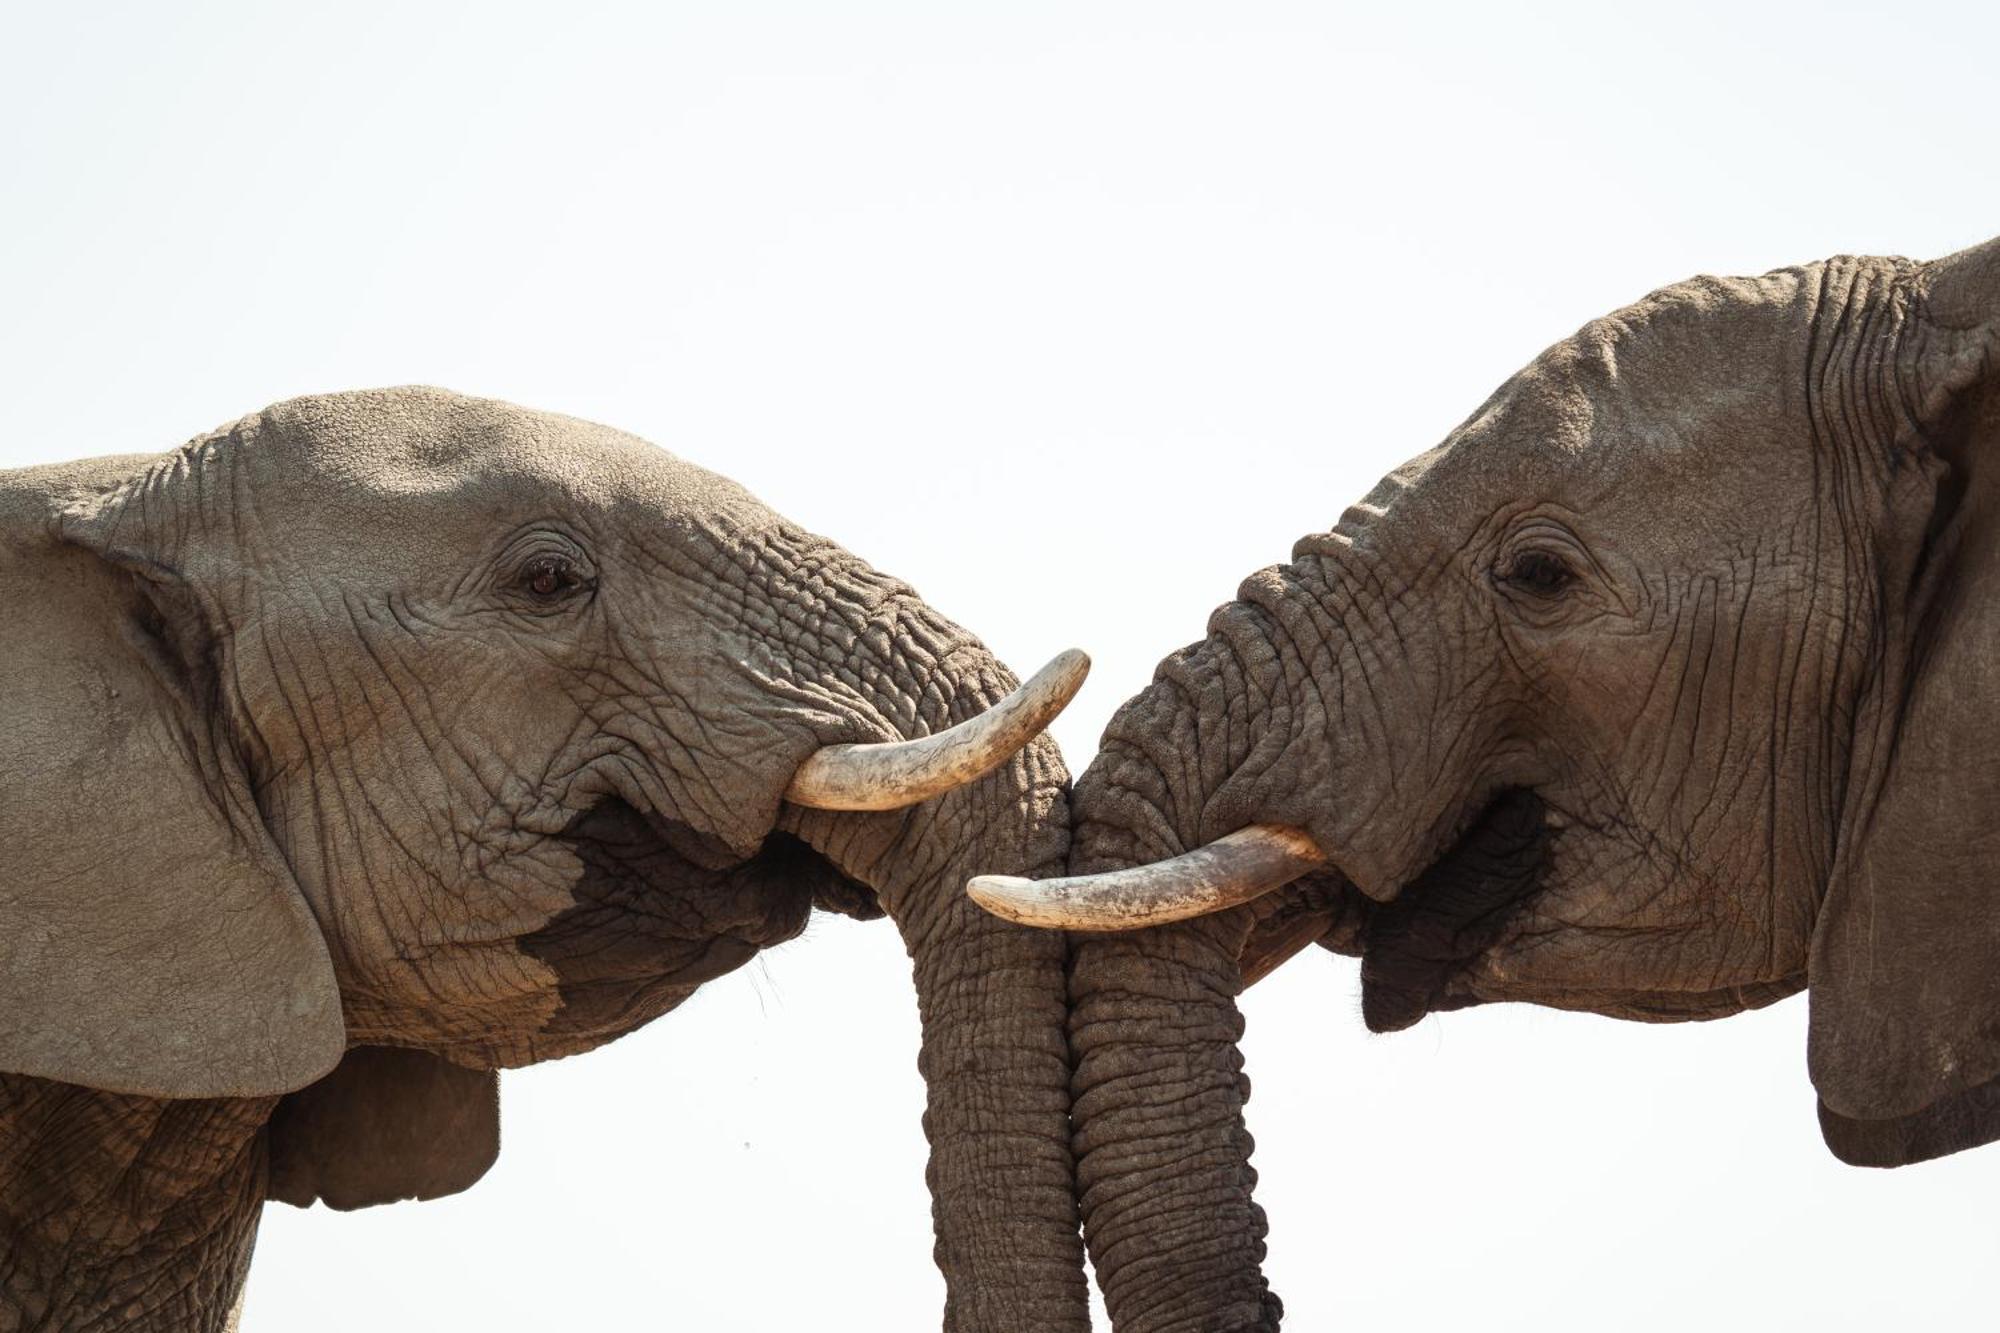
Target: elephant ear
{"points": [[152, 940], [387, 1124], [1904, 1047]]}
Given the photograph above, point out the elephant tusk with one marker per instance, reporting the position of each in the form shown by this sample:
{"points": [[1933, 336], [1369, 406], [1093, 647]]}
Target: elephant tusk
{"points": [[892, 774], [1231, 870]]}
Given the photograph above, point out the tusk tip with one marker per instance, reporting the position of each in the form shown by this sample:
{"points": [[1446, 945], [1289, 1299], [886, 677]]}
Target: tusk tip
{"points": [[888, 775], [1066, 671], [1007, 896], [1225, 873]]}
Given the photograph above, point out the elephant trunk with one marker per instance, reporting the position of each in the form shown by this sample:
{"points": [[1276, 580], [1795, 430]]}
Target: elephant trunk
{"points": [[996, 1066], [995, 1057], [1162, 1152]]}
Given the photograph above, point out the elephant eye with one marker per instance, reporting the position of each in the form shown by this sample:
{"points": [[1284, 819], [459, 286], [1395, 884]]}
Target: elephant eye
{"points": [[548, 577], [1537, 572]]}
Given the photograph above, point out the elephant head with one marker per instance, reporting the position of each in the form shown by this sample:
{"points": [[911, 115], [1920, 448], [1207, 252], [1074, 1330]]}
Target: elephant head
{"points": [[1663, 688], [453, 736]]}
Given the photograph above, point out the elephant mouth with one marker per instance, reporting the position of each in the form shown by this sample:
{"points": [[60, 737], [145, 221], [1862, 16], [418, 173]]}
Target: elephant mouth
{"points": [[1418, 949], [1430, 949], [660, 908]]}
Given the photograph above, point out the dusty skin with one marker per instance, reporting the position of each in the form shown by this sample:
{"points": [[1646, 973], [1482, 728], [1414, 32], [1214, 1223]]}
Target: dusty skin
{"points": [[379, 741], [1667, 686]]}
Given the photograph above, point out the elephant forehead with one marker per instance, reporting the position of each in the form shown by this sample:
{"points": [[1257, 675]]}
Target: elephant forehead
{"points": [[366, 449], [1687, 402]]}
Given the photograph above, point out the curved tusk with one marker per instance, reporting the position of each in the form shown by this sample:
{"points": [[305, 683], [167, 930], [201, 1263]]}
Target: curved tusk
{"points": [[1231, 870], [893, 774]]}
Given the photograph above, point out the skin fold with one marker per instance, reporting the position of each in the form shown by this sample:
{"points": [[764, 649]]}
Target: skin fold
{"points": [[1662, 689], [379, 741]]}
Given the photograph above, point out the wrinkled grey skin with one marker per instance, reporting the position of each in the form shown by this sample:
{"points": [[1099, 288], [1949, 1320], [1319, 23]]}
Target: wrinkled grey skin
{"points": [[1665, 687], [444, 736]]}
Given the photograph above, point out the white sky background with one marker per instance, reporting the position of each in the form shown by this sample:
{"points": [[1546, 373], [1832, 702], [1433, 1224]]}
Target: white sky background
{"points": [[1072, 314]]}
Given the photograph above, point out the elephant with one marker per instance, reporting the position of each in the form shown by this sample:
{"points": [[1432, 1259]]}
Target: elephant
{"points": [[1664, 688], [382, 740]]}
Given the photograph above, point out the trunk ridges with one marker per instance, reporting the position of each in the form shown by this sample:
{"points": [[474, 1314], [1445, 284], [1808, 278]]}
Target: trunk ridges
{"points": [[996, 1069], [991, 995], [1162, 1151]]}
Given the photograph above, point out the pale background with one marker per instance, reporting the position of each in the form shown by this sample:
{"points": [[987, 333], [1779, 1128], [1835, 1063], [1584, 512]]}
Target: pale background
{"points": [[1073, 314]]}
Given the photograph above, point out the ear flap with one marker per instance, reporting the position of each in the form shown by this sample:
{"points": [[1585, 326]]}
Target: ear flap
{"points": [[387, 1124], [152, 940], [1905, 969]]}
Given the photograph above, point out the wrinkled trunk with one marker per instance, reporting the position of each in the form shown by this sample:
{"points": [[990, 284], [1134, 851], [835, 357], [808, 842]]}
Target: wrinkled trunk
{"points": [[995, 1056], [996, 1065], [1163, 1156], [1162, 1152]]}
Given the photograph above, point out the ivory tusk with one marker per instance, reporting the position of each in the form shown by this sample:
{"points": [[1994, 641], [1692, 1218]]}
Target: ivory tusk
{"points": [[1231, 870], [892, 774]]}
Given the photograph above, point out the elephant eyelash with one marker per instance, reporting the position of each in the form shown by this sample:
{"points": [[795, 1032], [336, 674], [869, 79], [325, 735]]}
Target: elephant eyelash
{"points": [[1538, 572]]}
